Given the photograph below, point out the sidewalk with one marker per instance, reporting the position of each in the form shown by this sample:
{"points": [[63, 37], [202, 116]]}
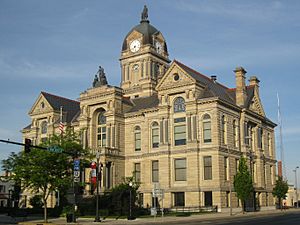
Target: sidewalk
{"points": [[203, 217]]}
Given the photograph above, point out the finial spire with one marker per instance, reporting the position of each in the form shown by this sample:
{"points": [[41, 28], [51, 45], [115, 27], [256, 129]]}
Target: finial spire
{"points": [[144, 16]]}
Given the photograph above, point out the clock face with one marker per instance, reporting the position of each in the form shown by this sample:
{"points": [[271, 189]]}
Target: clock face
{"points": [[135, 67], [158, 47], [135, 45]]}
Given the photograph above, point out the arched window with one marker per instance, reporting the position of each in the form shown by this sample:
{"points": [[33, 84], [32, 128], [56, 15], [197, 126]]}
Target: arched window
{"points": [[223, 129], [235, 133], [101, 129], [206, 128], [179, 105], [44, 127], [155, 135], [137, 138]]}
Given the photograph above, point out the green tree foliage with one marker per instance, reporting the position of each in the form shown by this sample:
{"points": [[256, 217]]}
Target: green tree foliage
{"points": [[118, 198], [243, 182], [43, 172], [36, 201], [280, 190]]}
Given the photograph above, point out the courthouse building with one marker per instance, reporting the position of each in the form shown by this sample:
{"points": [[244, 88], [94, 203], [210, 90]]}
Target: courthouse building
{"points": [[167, 125]]}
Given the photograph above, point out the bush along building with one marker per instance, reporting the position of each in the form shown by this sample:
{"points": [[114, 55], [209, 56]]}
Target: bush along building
{"points": [[168, 126]]}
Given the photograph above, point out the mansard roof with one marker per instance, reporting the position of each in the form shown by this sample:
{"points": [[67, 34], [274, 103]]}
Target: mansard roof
{"points": [[71, 107]]}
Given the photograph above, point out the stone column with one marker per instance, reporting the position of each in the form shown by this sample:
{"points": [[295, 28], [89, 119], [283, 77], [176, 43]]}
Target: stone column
{"points": [[113, 136]]}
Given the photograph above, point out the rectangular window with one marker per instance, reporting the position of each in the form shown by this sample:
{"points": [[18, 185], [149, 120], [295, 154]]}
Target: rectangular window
{"points": [[226, 168], [155, 137], [137, 172], [155, 171], [236, 165], [179, 120], [235, 134], [180, 134], [2, 189], [207, 168], [137, 137], [180, 169], [141, 200], [208, 201], [207, 131], [179, 199], [155, 202]]}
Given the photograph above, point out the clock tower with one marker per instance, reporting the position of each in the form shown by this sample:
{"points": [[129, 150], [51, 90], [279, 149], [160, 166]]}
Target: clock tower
{"points": [[144, 59]]}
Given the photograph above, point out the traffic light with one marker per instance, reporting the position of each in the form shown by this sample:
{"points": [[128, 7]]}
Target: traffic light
{"points": [[27, 145]]}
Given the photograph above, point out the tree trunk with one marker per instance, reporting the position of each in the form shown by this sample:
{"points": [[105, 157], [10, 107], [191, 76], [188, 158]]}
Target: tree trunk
{"points": [[243, 206], [280, 204], [45, 210]]}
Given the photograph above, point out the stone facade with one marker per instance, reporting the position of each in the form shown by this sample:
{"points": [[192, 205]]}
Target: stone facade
{"points": [[169, 126]]}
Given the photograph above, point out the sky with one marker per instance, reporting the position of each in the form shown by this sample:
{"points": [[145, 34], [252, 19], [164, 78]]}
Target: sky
{"points": [[56, 46]]}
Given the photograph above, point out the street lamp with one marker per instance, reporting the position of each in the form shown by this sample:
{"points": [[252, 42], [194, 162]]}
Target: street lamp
{"points": [[97, 219], [296, 186], [130, 215]]}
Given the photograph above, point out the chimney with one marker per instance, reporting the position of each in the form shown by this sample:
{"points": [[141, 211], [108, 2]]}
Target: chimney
{"points": [[241, 93], [213, 78], [254, 81]]}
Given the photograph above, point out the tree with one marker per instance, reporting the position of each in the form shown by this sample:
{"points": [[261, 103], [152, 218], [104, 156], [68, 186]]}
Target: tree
{"points": [[36, 201], [280, 190], [41, 171], [243, 182], [117, 199]]}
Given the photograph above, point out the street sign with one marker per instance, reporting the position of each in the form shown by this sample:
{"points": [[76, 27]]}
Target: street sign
{"points": [[76, 174], [76, 163], [55, 149], [76, 179], [153, 211]]}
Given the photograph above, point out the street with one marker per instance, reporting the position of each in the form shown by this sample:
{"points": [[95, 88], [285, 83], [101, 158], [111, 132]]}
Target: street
{"points": [[291, 217]]}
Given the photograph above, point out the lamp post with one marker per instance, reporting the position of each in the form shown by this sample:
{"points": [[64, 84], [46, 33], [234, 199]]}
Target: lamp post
{"points": [[97, 219], [130, 186], [296, 186]]}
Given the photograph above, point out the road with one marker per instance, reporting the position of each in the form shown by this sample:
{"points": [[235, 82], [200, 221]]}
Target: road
{"points": [[291, 218], [277, 218]]}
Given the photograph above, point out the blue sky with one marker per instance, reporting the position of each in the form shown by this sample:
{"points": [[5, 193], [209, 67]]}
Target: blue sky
{"points": [[56, 46]]}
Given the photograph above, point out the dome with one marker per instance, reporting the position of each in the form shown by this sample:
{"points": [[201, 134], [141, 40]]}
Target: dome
{"points": [[146, 29]]}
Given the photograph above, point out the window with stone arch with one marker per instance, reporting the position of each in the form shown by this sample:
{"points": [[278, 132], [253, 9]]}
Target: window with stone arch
{"points": [[137, 138], [224, 129], [155, 135], [101, 129], [44, 127], [206, 122], [235, 133], [179, 105]]}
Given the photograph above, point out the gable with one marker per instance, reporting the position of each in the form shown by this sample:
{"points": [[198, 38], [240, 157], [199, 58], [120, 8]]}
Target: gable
{"points": [[40, 106], [175, 77], [134, 35], [256, 105]]}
